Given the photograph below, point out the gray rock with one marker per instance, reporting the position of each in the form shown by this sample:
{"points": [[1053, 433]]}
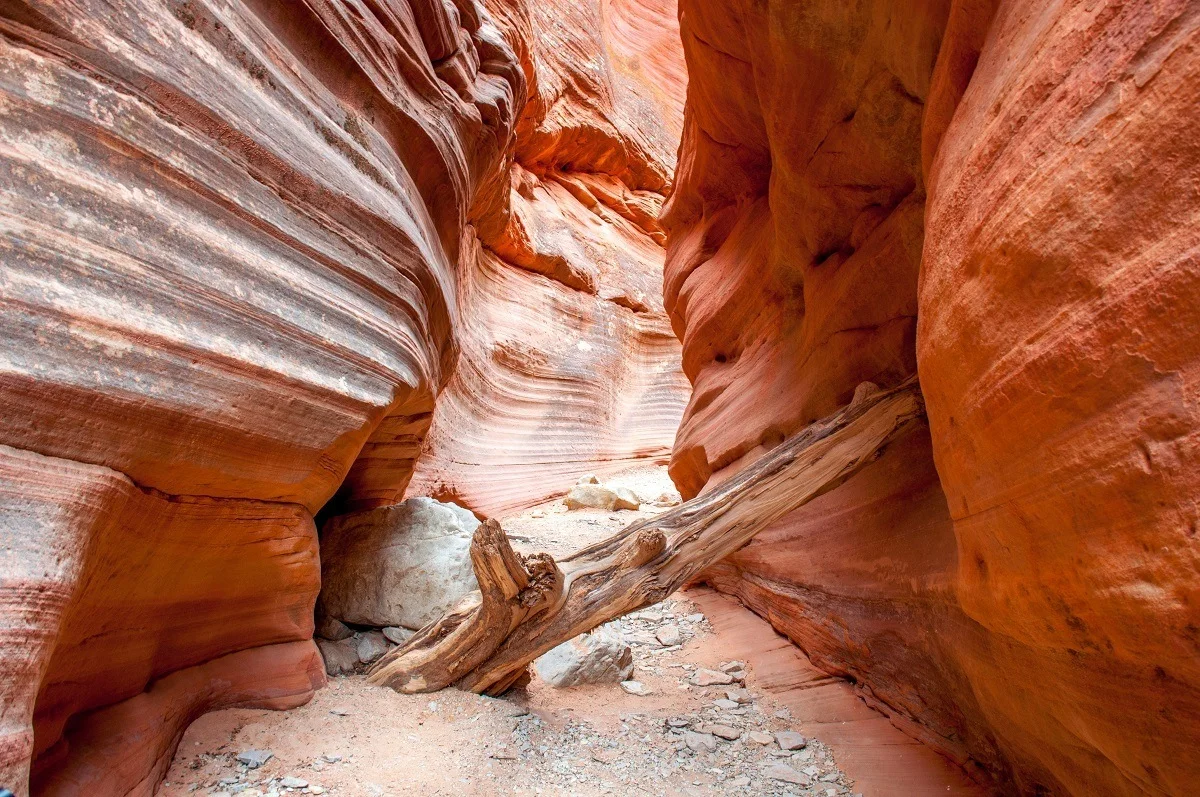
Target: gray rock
{"points": [[254, 758], [370, 646], [635, 688], [786, 774], [678, 722], [738, 783], [668, 635], [725, 705], [695, 618], [699, 742], [340, 657], [729, 666], [725, 732], [396, 635], [590, 496], [760, 737], [588, 479], [790, 740], [330, 628], [598, 657], [402, 565], [739, 695], [293, 783], [711, 678]]}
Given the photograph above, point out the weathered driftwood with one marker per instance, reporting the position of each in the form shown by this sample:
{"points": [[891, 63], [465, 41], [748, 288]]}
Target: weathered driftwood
{"points": [[527, 605]]}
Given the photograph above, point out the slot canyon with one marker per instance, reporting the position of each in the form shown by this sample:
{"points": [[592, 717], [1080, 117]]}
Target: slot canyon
{"points": [[278, 277]]}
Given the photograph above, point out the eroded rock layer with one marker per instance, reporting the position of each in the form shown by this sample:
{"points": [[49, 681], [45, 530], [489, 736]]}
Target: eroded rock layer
{"points": [[568, 363], [232, 236], [1018, 584]]}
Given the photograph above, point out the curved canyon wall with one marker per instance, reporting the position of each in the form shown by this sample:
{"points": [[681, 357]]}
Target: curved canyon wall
{"points": [[569, 365], [1000, 198], [244, 246]]}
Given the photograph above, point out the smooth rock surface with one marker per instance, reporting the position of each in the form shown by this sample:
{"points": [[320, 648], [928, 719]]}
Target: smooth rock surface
{"points": [[401, 565]]}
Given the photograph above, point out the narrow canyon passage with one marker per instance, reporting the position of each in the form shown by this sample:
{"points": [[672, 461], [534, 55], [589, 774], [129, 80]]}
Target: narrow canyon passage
{"points": [[297, 297]]}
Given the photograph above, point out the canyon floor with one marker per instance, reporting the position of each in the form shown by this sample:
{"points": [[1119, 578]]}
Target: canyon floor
{"points": [[356, 739]]}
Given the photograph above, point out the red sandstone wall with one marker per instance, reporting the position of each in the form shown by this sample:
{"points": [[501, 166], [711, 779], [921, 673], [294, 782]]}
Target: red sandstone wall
{"points": [[568, 362], [1018, 585], [241, 261]]}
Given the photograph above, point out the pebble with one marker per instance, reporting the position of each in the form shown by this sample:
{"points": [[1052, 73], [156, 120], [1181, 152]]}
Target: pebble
{"points": [[695, 618], [725, 704], [668, 635], [678, 722], [790, 740], [738, 783], [254, 758], [759, 737], [711, 678], [338, 711], [291, 782], [726, 666], [786, 774], [635, 688], [397, 635], [700, 742], [725, 732], [739, 695]]}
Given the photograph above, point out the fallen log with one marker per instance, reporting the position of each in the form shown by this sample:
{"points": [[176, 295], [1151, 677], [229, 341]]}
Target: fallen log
{"points": [[527, 605]]}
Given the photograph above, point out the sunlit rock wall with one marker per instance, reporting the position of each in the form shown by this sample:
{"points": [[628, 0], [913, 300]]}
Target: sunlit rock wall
{"points": [[569, 365]]}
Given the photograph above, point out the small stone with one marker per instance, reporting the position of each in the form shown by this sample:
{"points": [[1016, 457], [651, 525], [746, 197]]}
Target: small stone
{"points": [[338, 711], [725, 732], [790, 740], [678, 722], [725, 705], [738, 675], [590, 496], [340, 657], [739, 695], [726, 666], [700, 742], [668, 635], [786, 774], [695, 618], [332, 759], [333, 629], [397, 635], [635, 688], [291, 782], [626, 499], [588, 479], [254, 758], [760, 737], [537, 513], [370, 646], [711, 678], [316, 790], [829, 778]]}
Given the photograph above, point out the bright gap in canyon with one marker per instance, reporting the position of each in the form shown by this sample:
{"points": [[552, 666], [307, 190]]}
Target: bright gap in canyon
{"points": [[599, 397]]}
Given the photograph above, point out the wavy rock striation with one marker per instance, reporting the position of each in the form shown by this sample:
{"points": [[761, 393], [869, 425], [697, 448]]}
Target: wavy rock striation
{"points": [[569, 365], [993, 195], [242, 253]]}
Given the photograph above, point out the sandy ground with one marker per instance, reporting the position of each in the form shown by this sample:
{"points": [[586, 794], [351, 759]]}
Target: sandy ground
{"points": [[355, 739]]}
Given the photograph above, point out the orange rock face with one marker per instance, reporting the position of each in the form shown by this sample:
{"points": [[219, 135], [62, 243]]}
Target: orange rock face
{"points": [[568, 362], [1016, 586], [246, 247]]}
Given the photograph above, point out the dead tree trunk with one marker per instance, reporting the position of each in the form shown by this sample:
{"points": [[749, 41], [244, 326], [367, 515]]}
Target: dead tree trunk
{"points": [[527, 605]]}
